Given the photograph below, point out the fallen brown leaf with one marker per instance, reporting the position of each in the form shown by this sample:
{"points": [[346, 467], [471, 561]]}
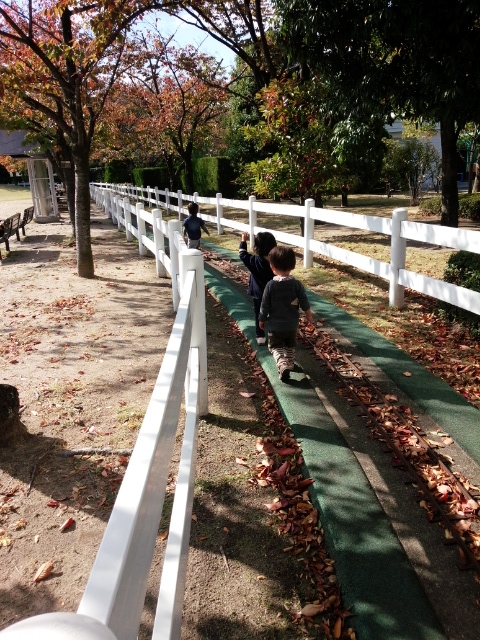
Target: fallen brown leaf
{"points": [[44, 571], [311, 610], [337, 629]]}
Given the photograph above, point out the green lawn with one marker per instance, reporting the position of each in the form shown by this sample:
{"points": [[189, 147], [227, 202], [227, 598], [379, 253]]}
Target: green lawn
{"points": [[11, 192]]}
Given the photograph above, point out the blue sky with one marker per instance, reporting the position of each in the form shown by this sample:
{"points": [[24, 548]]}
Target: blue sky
{"points": [[185, 34]]}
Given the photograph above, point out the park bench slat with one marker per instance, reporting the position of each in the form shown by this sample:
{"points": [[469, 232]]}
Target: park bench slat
{"points": [[10, 227]]}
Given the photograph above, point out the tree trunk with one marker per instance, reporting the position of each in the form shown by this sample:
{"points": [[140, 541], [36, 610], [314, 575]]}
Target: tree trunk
{"points": [[69, 183], [476, 183], [471, 163], [11, 429], [82, 216], [448, 139]]}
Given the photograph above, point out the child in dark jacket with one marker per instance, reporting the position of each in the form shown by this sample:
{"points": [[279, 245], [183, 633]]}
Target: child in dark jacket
{"points": [[282, 300], [192, 227], [260, 272]]}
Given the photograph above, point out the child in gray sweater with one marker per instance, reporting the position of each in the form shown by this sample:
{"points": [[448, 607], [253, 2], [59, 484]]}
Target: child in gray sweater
{"points": [[282, 299]]}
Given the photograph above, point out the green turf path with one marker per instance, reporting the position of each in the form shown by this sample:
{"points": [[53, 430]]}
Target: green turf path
{"points": [[443, 404], [377, 580]]}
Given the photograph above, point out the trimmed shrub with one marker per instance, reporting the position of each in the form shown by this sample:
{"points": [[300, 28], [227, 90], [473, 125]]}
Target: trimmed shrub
{"points": [[117, 172], [469, 206], [431, 206], [151, 177], [463, 269], [214, 175], [97, 174], [4, 175]]}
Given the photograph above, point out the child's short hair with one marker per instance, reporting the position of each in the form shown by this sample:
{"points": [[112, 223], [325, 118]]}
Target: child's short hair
{"points": [[282, 258], [263, 243], [192, 208]]}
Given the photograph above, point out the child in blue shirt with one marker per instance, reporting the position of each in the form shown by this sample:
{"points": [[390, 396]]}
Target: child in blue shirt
{"points": [[260, 272], [192, 227]]}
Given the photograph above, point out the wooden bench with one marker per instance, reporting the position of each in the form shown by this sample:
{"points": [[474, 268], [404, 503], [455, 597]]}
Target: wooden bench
{"points": [[8, 228], [26, 218]]}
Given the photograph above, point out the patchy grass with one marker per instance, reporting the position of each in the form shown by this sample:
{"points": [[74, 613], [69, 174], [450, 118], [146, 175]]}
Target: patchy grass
{"points": [[363, 295], [11, 192], [130, 417], [416, 328]]}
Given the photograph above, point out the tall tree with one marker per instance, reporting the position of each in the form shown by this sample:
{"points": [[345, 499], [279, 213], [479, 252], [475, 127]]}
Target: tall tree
{"points": [[181, 110], [245, 27], [297, 128], [61, 59], [415, 59]]}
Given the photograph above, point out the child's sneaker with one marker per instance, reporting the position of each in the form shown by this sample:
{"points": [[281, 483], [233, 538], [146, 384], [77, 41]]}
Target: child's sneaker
{"points": [[284, 372], [261, 340]]}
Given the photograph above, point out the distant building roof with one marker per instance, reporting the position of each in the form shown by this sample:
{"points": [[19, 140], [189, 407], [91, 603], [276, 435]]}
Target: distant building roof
{"points": [[11, 144]]}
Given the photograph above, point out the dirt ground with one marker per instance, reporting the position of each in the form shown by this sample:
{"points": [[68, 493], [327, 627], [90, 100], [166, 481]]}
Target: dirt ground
{"points": [[84, 356]]}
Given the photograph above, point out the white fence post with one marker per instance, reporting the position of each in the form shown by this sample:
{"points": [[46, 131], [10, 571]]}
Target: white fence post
{"points": [[57, 625], [142, 229], [128, 219], [308, 235], [192, 259], [195, 196], [119, 211], [180, 204], [167, 202], [396, 297], [159, 242], [173, 226], [252, 219], [109, 203], [219, 214]]}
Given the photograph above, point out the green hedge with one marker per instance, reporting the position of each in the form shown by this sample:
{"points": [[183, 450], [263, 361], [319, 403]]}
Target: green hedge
{"points": [[468, 206], [214, 175], [4, 175], [97, 174], [431, 206], [151, 177], [118, 172], [463, 269]]}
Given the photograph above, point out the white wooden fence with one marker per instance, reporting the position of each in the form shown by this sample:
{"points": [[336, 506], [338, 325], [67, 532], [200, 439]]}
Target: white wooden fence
{"points": [[397, 227], [114, 597], [113, 600]]}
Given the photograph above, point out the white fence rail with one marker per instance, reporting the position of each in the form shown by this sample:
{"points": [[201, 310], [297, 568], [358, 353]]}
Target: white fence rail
{"points": [[397, 227], [113, 600]]}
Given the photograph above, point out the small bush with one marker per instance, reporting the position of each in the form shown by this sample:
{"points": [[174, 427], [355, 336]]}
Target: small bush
{"points": [[152, 177], [213, 175], [117, 172], [97, 174], [4, 175], [469, 206], [431, 206], [463, 269]]}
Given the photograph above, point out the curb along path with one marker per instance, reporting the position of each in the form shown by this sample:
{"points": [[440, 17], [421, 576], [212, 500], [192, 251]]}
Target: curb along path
{"points": [[400, 581]]}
